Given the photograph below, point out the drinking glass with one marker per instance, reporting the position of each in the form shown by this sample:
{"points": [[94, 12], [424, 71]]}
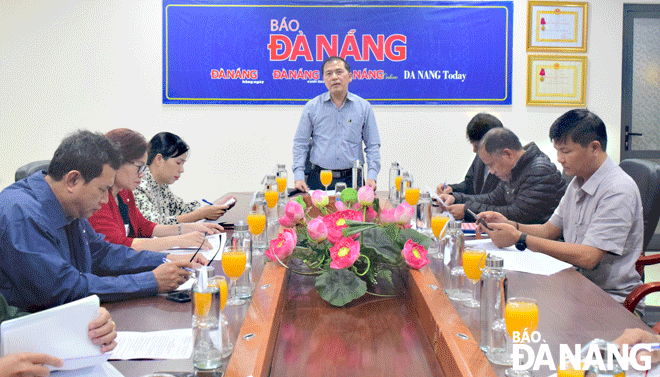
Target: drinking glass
{"points": [[233, 263], [271, 198], [256, 222], [521, 315], [438, 223], [326, 178], [474, 261], [412, 195]]}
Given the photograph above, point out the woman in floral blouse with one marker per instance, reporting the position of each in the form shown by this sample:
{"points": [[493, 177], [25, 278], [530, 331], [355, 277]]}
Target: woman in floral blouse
{"points": [[166, 156]]}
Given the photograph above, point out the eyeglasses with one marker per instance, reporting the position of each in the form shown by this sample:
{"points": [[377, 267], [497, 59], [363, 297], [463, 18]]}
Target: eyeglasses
{"points": [[141, 167]]}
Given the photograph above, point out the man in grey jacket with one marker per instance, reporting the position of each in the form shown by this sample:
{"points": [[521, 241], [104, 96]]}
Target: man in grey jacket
{"points": [[530, 188]]}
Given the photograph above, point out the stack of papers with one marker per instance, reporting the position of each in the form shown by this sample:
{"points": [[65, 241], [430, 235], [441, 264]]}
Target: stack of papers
{"points": [[166, 344], [214, 239], [523, 261], [62, 332]]}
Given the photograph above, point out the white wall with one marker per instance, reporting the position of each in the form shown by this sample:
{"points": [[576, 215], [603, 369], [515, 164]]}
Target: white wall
{"points": [[97, 64]]}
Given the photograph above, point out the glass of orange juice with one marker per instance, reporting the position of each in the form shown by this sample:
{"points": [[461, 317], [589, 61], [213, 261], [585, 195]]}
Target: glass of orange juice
{"points": [[412, 195], [438, 223], [521, 316], [474, 261], [271, 198], [256, 222], [326, 178], [233, 263]]}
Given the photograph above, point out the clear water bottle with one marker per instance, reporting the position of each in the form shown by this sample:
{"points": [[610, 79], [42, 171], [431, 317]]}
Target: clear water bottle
{"points": [[241, 238], [393, 193], [406, 181], [423, 214], [594, 371], [207, 335], [455, 282], [493, 300], [358, 176]]}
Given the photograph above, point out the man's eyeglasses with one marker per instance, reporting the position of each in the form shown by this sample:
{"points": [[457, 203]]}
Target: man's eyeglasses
{"points": [[141, 167]]}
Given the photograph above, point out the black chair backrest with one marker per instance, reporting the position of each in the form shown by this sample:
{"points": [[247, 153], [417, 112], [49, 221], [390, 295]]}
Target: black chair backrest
{"points": [[647, 176], [30, 168]]}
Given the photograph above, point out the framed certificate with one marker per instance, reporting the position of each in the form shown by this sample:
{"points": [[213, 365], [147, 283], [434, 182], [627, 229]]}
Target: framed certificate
{"points": [[557, 26], [556, 80]]}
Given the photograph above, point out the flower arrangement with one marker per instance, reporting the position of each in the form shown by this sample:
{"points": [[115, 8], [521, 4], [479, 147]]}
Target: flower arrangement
{"points": [[359, 243]]}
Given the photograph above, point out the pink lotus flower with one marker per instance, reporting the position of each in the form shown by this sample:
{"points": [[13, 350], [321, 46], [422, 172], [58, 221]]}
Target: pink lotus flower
{"points": [[283, 245], [319, 199], [403, 213], [337, 221], [371, 214], [414, 254], [344, 253], [294, 210], [387, 216], [340, 206], [317, 230], [287, 222], [365, 195]]}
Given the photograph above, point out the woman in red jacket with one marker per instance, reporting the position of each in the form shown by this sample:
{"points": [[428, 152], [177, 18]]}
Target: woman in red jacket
{"points": [[120, 220]]}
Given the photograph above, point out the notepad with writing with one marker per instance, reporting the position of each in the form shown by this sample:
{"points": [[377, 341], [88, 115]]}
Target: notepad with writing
{"points": [[61, 331]]}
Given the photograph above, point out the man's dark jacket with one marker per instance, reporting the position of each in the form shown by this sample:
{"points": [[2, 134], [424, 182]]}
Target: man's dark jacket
{"points": [[529, 197], [474, 182]]}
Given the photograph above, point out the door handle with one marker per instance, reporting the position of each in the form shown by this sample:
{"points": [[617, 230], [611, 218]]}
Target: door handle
{"points": [[627, 136]]}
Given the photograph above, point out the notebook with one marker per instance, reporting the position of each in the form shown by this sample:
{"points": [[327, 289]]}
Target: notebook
{"points": [[61, 331]]}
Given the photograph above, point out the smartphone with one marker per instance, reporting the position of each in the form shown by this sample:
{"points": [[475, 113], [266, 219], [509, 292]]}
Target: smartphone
{"points": [[479, 219], [179, 296], [230, 203]]}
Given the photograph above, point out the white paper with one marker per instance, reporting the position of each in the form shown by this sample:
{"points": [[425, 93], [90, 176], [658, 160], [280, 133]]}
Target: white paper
{"points": [[61, 331], [104, 369], [166, 344], [523, 261], [214, 239]]}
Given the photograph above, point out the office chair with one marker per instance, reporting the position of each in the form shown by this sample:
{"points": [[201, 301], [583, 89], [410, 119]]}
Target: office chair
{"points": [[647, 176], [30, 168]]}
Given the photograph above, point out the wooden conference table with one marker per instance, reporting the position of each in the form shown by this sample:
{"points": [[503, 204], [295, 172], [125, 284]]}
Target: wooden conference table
{"points": [[287, 330]]}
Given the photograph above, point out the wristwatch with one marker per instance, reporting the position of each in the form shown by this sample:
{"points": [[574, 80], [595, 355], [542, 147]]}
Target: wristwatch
{"points": [[522, 242]]}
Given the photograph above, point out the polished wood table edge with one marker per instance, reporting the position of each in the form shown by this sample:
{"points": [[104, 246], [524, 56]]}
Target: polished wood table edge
{"points": [[442, 324], [454, 345], [253, 351]]}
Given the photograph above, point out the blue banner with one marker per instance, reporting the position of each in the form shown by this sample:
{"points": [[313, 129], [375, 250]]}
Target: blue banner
{"points": [[400, 52]]}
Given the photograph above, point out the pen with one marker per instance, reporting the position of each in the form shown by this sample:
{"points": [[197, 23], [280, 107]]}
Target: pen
{"points": [[649, 346], [479, 219], [185, 268], [207, 202]]}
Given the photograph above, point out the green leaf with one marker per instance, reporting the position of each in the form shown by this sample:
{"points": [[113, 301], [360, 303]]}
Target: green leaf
{"points": [[349, 195], [407, 234], [385, 278], [376, 205], [300, 200], [355, 227], [378, 239], [339, 287]]}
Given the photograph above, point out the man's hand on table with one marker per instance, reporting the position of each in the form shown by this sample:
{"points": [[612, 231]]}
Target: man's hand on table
{"points": [[301, 185], [457, 210], [103, 331], [170, 276]]}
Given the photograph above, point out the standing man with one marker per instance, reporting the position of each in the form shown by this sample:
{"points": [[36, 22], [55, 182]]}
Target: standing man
{"points": [[600, 215], [478, 179], [51, 255], [332, 128]]}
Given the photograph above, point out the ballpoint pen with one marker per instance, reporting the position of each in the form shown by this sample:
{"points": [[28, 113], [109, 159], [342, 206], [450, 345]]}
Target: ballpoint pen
{"points": [[185, 268], [207, 202]]}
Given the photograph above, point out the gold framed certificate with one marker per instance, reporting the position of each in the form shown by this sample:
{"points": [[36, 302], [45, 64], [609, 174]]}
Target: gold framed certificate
{"points": [[557, 26], [556, 80]]}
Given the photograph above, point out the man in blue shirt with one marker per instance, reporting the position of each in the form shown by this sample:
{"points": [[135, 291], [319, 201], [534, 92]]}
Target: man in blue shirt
{"points": [[332, 128], [49, 253]]}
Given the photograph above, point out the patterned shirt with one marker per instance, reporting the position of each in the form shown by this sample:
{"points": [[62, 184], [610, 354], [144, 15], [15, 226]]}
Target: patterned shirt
{"points": [[158, 203]]}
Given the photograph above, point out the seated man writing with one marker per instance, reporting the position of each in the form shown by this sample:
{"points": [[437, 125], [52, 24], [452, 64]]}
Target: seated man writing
{"points": [[531, 185], [49, 253], [600, 215]]}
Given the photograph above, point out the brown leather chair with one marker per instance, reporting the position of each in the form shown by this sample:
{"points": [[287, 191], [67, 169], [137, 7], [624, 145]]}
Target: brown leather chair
{"points": [[647, 176]]}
